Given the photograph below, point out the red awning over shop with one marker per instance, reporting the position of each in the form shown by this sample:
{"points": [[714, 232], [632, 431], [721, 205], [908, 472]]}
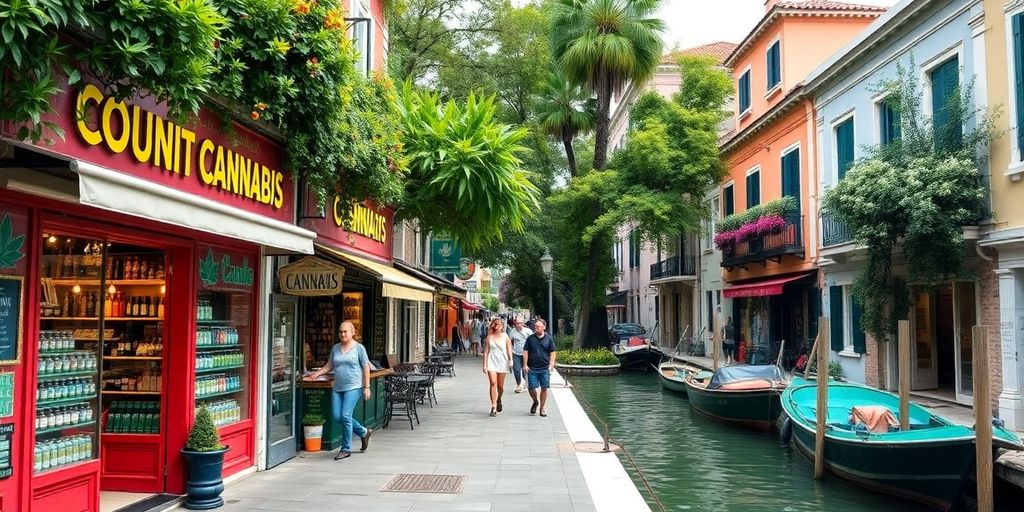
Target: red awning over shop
{"points": [[469, 306], [762, 288]]}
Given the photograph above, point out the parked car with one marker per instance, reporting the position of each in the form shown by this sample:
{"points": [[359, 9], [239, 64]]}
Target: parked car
{"points": [[622, 332]]}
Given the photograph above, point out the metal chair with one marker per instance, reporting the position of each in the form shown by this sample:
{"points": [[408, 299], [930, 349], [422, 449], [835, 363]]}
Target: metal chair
{"points": [[400, 398], [425, 390]]}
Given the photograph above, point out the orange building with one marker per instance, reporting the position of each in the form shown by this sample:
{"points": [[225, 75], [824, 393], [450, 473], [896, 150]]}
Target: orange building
{"points": [[768, 257]]}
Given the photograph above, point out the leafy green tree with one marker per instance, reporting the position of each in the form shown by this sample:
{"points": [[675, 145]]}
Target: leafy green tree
{"points": [[655, 184], [913, 195], [464, 173], [564, 111], [604, 45]]}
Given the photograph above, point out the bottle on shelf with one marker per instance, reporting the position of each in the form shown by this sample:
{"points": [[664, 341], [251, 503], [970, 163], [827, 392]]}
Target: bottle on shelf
{"points": [[143, 269]]}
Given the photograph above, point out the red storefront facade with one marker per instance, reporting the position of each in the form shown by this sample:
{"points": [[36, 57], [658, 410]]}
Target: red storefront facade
{"points": [[137, 243]]}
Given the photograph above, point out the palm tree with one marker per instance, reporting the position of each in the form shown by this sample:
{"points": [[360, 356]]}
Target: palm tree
{"points": [[603, 45], [564, 111]]}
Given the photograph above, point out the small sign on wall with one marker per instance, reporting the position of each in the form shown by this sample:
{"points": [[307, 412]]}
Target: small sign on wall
{"points": [[310, 277], [6, 435], [6, 394], [10, 319]]}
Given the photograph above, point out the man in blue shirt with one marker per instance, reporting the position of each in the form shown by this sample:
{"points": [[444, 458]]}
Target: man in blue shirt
{"points": [[539, 355]]}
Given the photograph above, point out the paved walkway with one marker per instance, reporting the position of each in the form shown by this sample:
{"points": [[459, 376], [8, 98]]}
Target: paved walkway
{"points": [[515, 462]]}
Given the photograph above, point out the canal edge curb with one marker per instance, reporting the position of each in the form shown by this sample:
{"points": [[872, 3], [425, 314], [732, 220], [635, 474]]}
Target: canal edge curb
{"points": [[609, 484]]}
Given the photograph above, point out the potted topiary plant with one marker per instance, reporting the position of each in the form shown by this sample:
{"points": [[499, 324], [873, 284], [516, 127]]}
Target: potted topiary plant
{"points": [[204, 461], [312, 431]]}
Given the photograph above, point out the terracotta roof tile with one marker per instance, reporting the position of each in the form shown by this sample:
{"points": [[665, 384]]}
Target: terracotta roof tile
{"points": [[825, 5], [719, 50]]}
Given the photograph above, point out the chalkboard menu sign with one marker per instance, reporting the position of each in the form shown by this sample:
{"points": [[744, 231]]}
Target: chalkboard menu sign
{"points": [[10, 319]]}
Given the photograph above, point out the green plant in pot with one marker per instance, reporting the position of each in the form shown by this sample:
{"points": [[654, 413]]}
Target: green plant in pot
{"points": [[312, 431], [204, 461]]}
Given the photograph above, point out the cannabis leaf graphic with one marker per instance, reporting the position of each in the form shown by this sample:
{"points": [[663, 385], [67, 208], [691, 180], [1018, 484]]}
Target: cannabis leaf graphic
{"points": [[446, 250], [208, 269], [10, 248]]}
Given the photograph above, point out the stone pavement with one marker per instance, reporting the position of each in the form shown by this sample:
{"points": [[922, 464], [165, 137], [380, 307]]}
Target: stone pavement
{"points": [[515, 462]]}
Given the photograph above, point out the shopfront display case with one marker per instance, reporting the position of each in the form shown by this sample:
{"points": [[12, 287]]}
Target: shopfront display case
{"points": [[352, 311]]}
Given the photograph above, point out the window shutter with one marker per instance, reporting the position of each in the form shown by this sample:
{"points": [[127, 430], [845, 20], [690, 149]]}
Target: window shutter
{"points": [[860, 344], [791, 175], [890, 120], [774, 66], [744, 91], [945, 80], [835, 296], [844, 147], [729, 206], [1018, 73], [753, 189]]}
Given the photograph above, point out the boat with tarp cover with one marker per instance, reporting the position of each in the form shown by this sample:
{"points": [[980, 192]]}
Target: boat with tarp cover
{"points": [[741, 394], [929, 463]]}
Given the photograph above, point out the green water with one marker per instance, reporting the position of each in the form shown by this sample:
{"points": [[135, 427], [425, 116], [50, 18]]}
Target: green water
{"points": [[693, 463]]}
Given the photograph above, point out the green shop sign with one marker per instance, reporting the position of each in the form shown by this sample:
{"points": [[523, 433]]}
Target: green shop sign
{"points": [[445, 254], [220, 270]]}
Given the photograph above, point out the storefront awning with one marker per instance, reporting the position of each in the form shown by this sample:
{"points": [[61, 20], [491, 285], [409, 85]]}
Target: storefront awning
{"points": [[111, 190], [396, 283], [468, 306], [442, 285], [617, 299], [762, 288]]}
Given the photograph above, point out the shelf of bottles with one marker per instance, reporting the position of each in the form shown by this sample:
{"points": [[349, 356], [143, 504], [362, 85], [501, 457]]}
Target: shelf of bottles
{"points": [[221, 354], [100, 345]]}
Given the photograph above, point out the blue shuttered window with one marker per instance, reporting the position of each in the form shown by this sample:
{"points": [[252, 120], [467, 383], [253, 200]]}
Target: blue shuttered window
{"points": [[1018, 76], [728, 203], [774, 65], [945, 89], [844, 146], [889, 123], [743, 91], [753, 189], [835, 307], [791, 175]]}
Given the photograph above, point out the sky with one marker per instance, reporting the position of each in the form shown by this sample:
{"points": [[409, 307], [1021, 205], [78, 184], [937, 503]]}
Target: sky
{"points": [[696, 22]]}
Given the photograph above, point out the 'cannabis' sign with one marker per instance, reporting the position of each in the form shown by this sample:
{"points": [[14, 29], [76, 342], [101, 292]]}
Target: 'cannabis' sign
{"points": [[221, 269]]}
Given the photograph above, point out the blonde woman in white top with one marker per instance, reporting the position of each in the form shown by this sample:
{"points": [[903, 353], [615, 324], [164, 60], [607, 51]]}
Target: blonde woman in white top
{"points": [[497, 361]]}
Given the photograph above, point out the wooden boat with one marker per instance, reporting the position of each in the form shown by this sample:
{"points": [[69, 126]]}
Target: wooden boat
{"points": [[928, 463], [741, 394], [673, 375], [638, 354]]}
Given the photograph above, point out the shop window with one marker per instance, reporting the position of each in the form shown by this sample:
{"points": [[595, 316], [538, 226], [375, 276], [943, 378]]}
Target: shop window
{"points": [[224, 319], [101, 347]]}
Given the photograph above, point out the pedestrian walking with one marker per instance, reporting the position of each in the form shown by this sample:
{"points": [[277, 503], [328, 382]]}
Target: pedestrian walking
{"points": [[477, 331], [729, 340], [539, 356], [497, 361], [351, 381], [457, 339], [518, 333]]}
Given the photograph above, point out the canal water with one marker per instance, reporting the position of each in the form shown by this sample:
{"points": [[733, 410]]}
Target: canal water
{"points": [[694, 463]]}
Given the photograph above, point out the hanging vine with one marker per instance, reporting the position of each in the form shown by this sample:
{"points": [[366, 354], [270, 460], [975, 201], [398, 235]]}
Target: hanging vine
{"points": [[913, 196]]}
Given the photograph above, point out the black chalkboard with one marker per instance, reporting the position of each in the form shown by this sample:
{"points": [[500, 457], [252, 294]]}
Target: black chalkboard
{"points": [[10, 319]]}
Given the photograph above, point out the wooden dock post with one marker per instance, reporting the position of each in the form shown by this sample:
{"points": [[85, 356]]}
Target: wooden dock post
{"points": [[715, 341], [982, 417], [903, 339], [821, 408]]}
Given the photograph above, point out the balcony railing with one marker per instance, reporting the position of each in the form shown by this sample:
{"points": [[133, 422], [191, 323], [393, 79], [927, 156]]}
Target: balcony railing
{"points": [[772, 246], [833, 231], [675, 266]]}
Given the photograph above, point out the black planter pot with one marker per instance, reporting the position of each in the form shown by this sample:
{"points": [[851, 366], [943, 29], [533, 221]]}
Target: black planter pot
{"points": [[204, 483]]}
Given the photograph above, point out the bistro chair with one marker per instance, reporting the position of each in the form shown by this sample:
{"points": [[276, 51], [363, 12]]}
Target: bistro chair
{"points": [[425, 390], [400, 398]]}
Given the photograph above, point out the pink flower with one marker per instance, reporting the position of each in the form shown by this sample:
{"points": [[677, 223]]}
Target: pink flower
{"points": [[725, 239]]}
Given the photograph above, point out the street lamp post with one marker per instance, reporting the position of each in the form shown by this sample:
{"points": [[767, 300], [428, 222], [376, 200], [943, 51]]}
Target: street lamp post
{"points": [[546, 263]]}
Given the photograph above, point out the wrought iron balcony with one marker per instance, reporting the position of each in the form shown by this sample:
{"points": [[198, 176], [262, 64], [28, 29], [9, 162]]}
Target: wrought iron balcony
{"points": [[833, 231], [675, 266], [773, 246]]}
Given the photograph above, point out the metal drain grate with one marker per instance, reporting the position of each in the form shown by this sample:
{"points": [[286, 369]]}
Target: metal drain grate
{"points": [[440, 484]]}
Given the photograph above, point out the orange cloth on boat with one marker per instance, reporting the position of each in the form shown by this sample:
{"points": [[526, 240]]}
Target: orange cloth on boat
{"points": [[878, 418], [636, 341], [748, 384]]}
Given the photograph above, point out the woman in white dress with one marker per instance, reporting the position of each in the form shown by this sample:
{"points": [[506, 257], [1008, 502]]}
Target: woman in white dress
{"points": [[497, 361]]}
